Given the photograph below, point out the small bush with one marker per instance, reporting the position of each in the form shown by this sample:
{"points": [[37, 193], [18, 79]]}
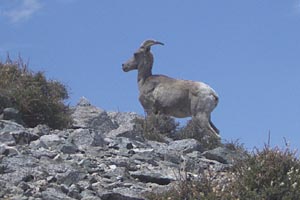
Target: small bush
{"points": [[156, 127], [269, 174], [40, 101], [185, 188], [234, 145], [237, 147], [193, 130]]}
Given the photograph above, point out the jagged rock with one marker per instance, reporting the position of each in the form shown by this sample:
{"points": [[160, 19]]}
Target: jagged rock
{"points": [[40, 130], [55, 194], [223, 155], [69, 148], [185, 146], [84, 138], [17, 168], [9, 126], [195, 163], [103, 156], [126, 125], [12, 114], [161, 175], [159, 147], [152, 178], [74, 191], [89, 195], [6, 150], [12, 133], [71, 177], [50, 141], [84, 102], [42, 152], [87, 116], [118, 196], [123, 118], [122, 143], [173, 151], [23, 137], [7, 138]]}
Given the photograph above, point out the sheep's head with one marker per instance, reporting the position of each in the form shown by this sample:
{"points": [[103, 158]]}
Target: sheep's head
{"points": [[142, 57]]}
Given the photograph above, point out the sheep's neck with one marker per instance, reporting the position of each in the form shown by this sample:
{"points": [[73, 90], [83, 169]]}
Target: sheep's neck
{"points": [[145, 70], [143, 73]]}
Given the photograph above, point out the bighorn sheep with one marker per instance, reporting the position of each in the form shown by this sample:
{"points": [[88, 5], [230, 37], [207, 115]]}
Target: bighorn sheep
{"points": [[160, 94]]}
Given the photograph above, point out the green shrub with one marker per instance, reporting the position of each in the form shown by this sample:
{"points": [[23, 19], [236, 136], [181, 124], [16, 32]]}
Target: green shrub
{"points": [[155, 127], [40, 101], [193, 130]]}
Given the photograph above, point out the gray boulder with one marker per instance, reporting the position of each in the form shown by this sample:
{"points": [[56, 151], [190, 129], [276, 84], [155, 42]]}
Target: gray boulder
{"points": [[123, 118], [223, 155], [55, 194], [52, 141], [40, 130], [68, 148], [18, 168], [23, 137], [104, 156], [153, 177], [9, 126], [185, 146], [71, 177], [126, 125], [12, 133], [173, 151], [7, 138], [7, 150], [119, 196], [86, 115], [84, 138]]}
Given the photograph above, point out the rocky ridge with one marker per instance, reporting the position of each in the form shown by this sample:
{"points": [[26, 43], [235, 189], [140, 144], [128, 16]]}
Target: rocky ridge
{"points": [[102, 157]]}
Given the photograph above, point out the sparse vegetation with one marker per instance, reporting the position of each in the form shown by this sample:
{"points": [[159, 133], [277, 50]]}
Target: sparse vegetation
{"points": [[267, 174], [236, 146], [264, 174], [189, 189], [193, 130], [40, 101], [155, 127], [270, 174]]}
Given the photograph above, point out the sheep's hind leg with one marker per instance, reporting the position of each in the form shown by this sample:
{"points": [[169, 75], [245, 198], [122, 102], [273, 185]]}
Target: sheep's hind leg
{"points": [[214, 127], [206, 124]]}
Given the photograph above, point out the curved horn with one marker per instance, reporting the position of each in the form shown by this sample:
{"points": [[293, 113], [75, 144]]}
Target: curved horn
{"points": [[149, 43]]}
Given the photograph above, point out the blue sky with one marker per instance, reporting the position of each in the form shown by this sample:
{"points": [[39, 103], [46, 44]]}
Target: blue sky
{"points": [[248, 51]]}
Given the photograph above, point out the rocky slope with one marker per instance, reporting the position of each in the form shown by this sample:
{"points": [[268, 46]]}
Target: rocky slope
{"points": [[102, 156]]}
